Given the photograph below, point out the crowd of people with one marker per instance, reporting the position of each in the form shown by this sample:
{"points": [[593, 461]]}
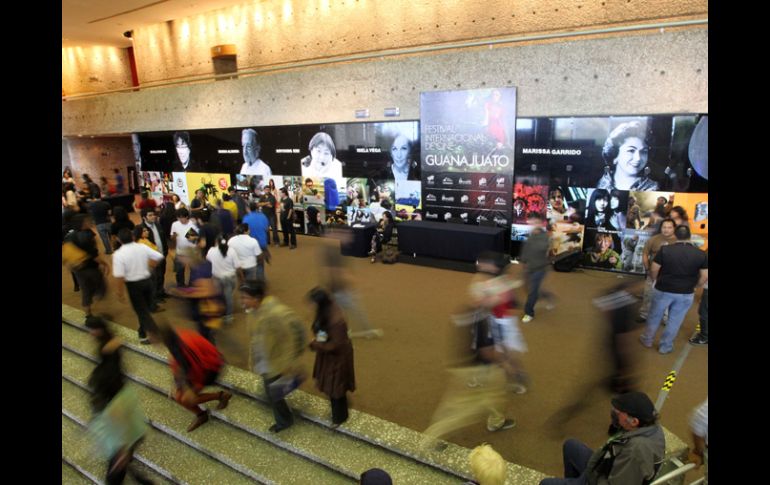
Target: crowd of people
{"points": [[221, 247]]}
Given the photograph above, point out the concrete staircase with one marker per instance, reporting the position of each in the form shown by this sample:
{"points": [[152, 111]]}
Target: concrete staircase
{"points": [[235, 446]]}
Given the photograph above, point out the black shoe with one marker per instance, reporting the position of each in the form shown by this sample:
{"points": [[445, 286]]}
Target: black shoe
{"points": [[144, 341], [699, 340], [641, 319], [277, 429]]}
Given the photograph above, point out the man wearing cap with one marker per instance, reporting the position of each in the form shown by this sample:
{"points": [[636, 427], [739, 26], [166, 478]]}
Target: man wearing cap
{"points": [[630, 457], [276, 342], [677, 269]]}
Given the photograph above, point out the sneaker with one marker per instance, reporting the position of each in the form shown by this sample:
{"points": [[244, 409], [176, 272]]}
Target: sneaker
{"points": [[641, 319], [144, 341], [507, 424], [375, 333], [663, 351], [699, 340], [527, 319], [642, 341]]}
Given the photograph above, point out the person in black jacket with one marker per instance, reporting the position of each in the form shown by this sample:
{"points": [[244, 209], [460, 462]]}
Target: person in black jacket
{"points": [[159, 238]]}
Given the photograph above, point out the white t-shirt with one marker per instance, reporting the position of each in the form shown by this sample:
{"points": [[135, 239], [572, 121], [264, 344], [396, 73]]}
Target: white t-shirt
{"points": [[258, 168], [332, 171], [222, 266], [131, 261], [180, 230], [246, 249]]}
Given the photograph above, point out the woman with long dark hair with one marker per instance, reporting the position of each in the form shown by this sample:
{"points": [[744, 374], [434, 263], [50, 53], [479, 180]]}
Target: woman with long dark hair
{"points": [[333, 369], [598, 213], [383, 234]]}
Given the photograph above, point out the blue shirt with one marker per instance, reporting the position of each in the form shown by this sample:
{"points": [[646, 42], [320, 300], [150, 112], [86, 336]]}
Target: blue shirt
{"points": [[258, 225]]}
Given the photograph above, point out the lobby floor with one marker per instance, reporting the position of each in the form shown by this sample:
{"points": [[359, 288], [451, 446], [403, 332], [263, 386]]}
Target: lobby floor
{"points": [[401, 377]]}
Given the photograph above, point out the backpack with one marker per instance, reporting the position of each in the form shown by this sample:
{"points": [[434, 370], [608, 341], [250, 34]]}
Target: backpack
{"points": [[389, 255]]}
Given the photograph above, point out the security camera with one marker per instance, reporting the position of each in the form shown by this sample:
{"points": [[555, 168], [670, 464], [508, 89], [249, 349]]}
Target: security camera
{"points": [[128, 34]]}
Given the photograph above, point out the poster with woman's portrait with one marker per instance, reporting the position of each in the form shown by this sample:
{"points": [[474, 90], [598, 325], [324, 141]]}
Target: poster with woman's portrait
{"points": [[606, 209]]}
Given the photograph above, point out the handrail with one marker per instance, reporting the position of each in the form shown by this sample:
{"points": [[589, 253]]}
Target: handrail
{"points": [[681, 470], [398, 52]]}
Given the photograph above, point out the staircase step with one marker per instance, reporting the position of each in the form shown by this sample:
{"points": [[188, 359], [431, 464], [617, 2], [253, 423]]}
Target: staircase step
{"points": [[337, 451], [71, 476], [173, 459], [368, 441]]}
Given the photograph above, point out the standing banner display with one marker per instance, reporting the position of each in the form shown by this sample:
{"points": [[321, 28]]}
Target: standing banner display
{"points": [[467, 149]]}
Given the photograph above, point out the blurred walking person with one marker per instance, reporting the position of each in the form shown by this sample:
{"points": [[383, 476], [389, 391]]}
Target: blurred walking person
{"points": [[224, 264], [248, 253], [132, 267], [534, 257], [195, 364], [276, 343], [205, 302], [118, 423], [82, 257], [333, 369]]}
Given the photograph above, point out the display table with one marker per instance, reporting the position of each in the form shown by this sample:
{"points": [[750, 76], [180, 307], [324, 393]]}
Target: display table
{"points": [[450, 241], [360, 241], [126, 201]]}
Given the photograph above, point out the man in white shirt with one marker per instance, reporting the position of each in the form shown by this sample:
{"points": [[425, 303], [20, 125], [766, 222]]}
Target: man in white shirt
{"points": [[248, 253], [131, 267], [185, 233], [252, 164]]}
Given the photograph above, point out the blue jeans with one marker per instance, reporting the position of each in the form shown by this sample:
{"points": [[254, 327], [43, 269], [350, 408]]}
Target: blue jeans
{"points": [[534, 280], [227, 286], [576, 456], [104, 232], [250, 274], [677, 305]]}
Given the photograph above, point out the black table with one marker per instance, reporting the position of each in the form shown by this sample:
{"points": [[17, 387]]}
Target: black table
{"points": [[450, 241], [126, 201], [360, 241]]}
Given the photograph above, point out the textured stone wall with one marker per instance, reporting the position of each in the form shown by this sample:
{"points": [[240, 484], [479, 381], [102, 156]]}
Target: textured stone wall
{"points": [[94, 69], [100, 156], [274, 32], [633, 74]]}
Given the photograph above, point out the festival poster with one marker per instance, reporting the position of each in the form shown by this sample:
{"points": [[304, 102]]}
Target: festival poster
{"points": [[212, 184], [467, 142], [179, 180], [632, 245], [312, 192], [520, 232], [602, 250], [646, 201], [360, 215], [697, 208], [408, 199], [566, 237]]}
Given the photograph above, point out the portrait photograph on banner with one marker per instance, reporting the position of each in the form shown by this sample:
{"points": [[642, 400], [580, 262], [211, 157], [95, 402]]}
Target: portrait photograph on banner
{"points": [[601, 250], [606, 209], [179, 181], [559, 209], [632, 250]]}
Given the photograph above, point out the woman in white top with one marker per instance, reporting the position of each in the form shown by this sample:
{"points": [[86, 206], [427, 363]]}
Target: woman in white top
{"points": [[223, 268]]}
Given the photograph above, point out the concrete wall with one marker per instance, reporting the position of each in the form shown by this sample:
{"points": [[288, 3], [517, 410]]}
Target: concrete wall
{"points": [[94, 69], [99, 157], [634, 74], [274, 32]]}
